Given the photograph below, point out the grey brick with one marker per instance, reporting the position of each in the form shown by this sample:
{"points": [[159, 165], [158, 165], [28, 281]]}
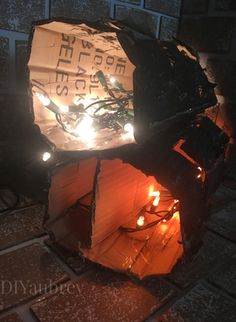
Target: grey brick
{"points": [[224, 276], [18, 14], [169, 28], [225, 5], [208, 256], [27, 272], [207, 34], [4, 62], [198, 305], [223, 73], [169, 7], [195, 6], [224, 221], [21, 225], [221, 198], [137, 19], [83, 9], [14, 317], [104, 296], [21, 63]]}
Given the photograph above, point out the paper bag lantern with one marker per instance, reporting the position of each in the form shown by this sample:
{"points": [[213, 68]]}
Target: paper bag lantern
{"points": [[99, 87], [92, 82], [82, 82], [116, 216]]}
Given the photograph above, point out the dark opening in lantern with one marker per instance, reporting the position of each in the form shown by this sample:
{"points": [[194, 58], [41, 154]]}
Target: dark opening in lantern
{"points": [[136, 198]]}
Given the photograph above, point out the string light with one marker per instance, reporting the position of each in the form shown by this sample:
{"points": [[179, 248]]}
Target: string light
{"points": [[43, 99], [64, 108], [112, 80], [46, 156], [84, 117], [85, 129], [128, 127], [140, 221], [199, 176], [155, 200]]}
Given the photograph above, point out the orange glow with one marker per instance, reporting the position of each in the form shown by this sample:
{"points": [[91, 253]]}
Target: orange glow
{"points": [[176, 216], [199, 176], [199, 168], [163, 228], [178, 149]]}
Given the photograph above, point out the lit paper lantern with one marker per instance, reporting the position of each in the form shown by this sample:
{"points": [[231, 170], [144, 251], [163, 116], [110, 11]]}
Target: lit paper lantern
{"points": [[136, 202], [108, 211]]}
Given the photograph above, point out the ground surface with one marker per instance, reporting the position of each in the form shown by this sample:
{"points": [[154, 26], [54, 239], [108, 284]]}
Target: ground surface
{"points": [[41, 282]]}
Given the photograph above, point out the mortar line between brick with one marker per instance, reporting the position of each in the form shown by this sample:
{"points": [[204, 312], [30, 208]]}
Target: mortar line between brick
{"points": [[23, 244], [180, 294], [153, 13], [112, 9], [220, 235], [47, 9], [216, 289]]}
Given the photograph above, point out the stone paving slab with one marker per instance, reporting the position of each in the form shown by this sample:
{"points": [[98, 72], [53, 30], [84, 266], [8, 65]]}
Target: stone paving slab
{"points": [[222, 197], [104, 296], [27, 272], [224, 222], [75, 262], [14, 317], [200, 305], [214, 251], [21, 225], [224, 276]]}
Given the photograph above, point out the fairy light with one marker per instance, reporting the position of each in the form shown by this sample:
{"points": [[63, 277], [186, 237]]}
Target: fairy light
{"points": [[46, 156], [199, 176], [156, 197], [112, 80], [64, 108], [85, 129], [43, 99], [128, 127], [140, 221]]}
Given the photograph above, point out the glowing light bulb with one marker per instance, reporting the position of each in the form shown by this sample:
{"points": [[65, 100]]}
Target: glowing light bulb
{"points": [[140, 221], [85, 129], [43, 99], [112, 80], [46, 156], [128, 127], [64, 108], [199, 168], [156, 200], [199, 176]]}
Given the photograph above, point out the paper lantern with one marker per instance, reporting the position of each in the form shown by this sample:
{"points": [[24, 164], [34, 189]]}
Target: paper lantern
{"points": [[116, 216], [136, 202]]}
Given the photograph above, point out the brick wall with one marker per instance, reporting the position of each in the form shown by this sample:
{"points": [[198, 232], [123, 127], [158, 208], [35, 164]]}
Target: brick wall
{"points": [[159, 18], [156, 17], [210, 27], [16, 17]]}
